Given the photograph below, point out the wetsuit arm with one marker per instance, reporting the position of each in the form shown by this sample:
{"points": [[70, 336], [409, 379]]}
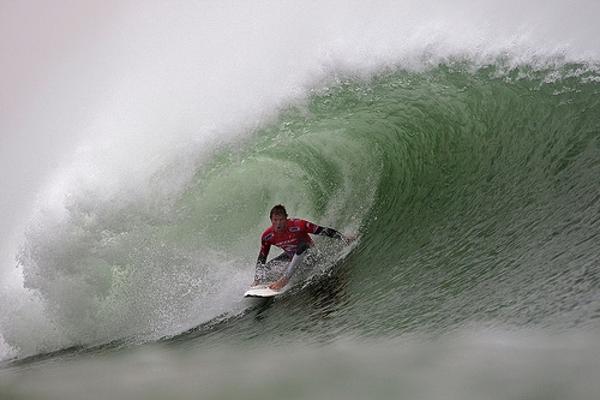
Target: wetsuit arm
{"points": [[262, 259], [315, 229], [329, 232], [263, 253], [260, 262]]}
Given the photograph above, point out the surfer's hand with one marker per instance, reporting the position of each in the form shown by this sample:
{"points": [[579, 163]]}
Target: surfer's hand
{"points": [[279, 284]]}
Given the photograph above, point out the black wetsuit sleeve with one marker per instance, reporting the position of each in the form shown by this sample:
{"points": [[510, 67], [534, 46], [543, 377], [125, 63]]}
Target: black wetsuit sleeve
{"points": [[262, 258], [263, 253], [329, 232]]}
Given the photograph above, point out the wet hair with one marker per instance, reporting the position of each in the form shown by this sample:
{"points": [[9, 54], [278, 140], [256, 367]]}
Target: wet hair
{"points": [[279, 210]]}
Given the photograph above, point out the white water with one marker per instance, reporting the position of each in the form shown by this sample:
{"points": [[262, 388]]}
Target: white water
{"points": [[490, 365], [101, 98]]}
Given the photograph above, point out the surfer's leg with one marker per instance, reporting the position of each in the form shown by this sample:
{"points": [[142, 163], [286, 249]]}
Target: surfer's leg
{"points": [[297, 259]]}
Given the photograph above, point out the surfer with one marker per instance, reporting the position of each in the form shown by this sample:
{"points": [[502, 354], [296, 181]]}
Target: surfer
{"points": [[292, 236]]}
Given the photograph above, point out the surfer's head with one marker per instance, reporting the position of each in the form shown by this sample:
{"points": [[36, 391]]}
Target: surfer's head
{"points": [[278, 217]]}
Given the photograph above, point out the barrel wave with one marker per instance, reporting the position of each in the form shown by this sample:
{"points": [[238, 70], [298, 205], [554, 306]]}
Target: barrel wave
{"points": [[474, 194]]}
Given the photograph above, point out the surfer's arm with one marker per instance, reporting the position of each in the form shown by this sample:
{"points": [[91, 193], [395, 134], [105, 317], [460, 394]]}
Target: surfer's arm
{"points": [[261, 260], [265, 246], [315, 229], [330, 232]]}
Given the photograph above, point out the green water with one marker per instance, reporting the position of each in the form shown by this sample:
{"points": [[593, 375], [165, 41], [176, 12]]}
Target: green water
{"points": [[475, 195], [474, 192]]}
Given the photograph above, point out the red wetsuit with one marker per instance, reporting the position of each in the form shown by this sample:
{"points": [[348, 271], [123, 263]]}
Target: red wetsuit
{"points": [[294, 236]]}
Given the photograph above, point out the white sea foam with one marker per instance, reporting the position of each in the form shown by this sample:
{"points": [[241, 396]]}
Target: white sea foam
{"points": [[471, 365]]}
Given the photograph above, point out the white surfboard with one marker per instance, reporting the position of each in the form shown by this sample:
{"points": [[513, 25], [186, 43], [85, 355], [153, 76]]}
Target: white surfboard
{"points": [[262, 291]]}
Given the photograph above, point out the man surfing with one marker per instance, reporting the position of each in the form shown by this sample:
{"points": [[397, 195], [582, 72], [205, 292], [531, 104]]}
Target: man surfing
{"points": [[292, 236]]}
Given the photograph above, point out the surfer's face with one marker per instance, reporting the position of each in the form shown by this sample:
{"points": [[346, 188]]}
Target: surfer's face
{"points": [[278, 221]]}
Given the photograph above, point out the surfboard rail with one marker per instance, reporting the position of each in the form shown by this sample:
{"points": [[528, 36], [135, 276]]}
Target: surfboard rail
{"points": [[261, 291]]}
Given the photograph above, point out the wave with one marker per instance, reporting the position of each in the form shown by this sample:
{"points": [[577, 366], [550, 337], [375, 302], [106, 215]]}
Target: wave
{"points": [[475, 195], [466, 160]]}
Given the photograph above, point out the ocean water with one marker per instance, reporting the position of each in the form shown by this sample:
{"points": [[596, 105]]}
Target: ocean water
{"points": [[460, 143]]}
